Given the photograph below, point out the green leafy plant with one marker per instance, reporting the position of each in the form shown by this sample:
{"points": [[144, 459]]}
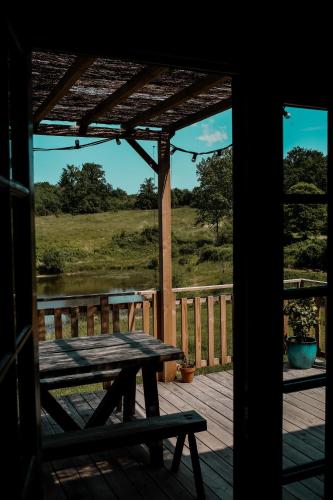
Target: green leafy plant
{"points": [[303, 314], [186, 363]]}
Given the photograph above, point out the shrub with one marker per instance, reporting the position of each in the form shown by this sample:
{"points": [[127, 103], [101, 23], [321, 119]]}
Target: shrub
{"points": [[183, 261], [202, 242], [311, 254], [150, 234], [52, 261], [153, 263], [225, 236], [188, 249], [209, 253]]}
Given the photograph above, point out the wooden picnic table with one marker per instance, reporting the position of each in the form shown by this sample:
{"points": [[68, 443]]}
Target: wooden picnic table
{"points": [[126, 352]]}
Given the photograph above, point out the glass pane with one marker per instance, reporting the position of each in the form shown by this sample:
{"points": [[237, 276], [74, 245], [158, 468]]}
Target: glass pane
{"points": [[305, 150]]}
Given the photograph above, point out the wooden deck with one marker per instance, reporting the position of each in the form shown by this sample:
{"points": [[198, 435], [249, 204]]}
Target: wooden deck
{"points": [[125, 473]]}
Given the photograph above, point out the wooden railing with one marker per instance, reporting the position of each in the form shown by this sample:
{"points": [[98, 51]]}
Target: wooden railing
{"points": [[202, 318]]}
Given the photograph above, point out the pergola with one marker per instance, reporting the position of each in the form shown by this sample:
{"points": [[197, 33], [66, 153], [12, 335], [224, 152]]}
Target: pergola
{"points": [[113, 98]]}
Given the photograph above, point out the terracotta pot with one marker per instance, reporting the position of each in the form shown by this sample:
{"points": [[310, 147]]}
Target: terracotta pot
{"points": [[187, 374]]}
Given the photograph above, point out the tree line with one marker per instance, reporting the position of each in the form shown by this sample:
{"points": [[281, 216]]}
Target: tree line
{"points": [[85, 190]]}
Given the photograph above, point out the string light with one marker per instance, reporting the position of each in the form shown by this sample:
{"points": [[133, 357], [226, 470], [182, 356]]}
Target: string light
{"points": [[195, 154], [173, 148]]}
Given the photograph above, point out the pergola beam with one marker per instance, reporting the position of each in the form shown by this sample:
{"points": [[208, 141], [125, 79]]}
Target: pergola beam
{"points": [[72, 75], [144, 155], [102, 132], [133, 85], [201, 115], [198, 87]]}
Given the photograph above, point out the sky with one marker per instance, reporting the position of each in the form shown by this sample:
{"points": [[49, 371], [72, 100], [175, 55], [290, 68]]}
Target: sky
{"points": [[125, 169]]}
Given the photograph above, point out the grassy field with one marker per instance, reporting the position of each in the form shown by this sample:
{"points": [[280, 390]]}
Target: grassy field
{"points": [[116, 243]]}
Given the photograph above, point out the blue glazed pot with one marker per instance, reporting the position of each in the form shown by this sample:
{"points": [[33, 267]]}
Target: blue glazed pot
{"points": [[301, 354]]}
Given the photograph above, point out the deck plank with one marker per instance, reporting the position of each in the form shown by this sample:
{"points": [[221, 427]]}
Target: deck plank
{"points": [[126, 473]]}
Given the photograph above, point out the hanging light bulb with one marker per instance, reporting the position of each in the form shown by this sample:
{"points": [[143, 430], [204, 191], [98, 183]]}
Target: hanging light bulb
{"points": [[118, 141], [77, 144], [194, 157], [219, 152], [286, 113], [173, 150]]}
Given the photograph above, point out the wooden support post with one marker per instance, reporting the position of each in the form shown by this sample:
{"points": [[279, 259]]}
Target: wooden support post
{"points": [[166, 332]]}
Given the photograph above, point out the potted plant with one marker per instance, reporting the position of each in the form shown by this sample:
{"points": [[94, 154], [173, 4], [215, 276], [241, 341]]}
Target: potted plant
{"points": [[187, 370], [301, 348]]}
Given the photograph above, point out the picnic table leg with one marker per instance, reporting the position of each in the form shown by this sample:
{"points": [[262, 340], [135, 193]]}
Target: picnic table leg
{"points": [[149, 376], [129, 400], [56, 411], [112, 396]]}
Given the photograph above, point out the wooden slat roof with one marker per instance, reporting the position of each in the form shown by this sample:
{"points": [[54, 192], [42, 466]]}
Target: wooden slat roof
{"points": [[77, 89]]}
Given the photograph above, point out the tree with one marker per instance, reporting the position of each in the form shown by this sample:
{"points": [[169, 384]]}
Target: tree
{"points": [[47, 199], [303, 221], [213, 197], [305, 165], [85, 190], [147, 197]]}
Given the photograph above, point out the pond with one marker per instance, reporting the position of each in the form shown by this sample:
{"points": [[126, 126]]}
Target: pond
{"points": [[112, 281]]}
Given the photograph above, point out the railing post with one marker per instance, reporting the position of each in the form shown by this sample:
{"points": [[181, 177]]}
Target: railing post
{"points": [[184, 326], [155, 314], [90, 320], [210, 330], [41, 324], [115, 318], [197, 331], [223, 331], [58, 323], [145, 316], [131, 317], [105, 314], [75, 321]]}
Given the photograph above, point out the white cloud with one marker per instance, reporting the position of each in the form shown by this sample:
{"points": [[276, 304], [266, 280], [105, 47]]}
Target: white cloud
{"points": [[211, 136], [313, 129]]}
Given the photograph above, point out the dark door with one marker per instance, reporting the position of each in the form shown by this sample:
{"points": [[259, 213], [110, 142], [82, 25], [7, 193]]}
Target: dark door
{"points": [[19, 414]]}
